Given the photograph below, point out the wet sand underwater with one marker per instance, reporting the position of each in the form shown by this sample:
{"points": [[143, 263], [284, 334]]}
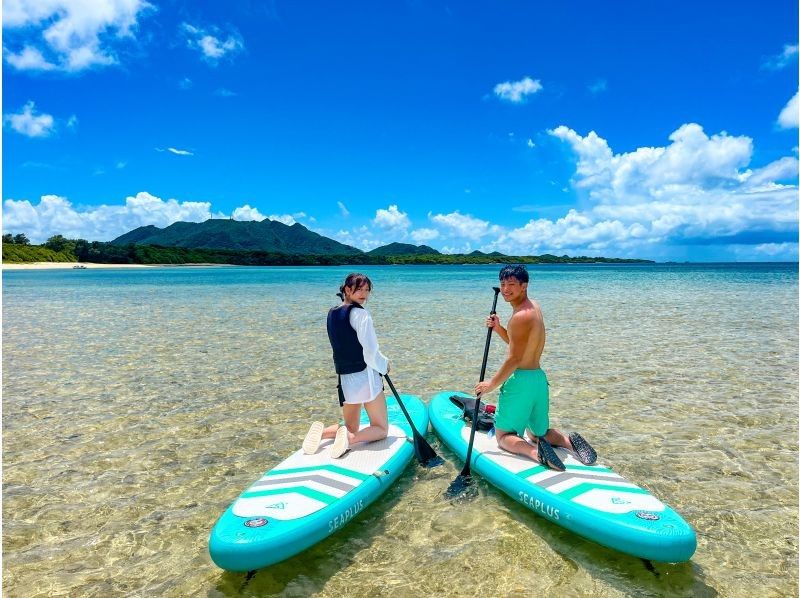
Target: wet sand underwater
{"points": [[137, 404]]}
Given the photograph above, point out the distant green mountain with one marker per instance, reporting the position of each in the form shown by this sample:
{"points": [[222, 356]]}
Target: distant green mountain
{"points": [[267, 235], [403, 249], [476, 252]]}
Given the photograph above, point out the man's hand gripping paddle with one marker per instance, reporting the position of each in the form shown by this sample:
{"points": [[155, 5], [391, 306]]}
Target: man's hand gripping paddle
{"points": [[463, 482], [426, 456]]}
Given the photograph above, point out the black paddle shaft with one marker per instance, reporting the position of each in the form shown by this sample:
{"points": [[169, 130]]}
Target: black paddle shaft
{"points": [[426, 456], [465, 471]]}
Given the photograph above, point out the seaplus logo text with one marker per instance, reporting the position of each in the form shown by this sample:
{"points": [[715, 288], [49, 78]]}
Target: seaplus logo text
{"points": [[340, 520], [538, 506]]}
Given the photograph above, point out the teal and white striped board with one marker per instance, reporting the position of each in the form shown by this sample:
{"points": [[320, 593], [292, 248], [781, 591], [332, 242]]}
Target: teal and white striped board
{"points": [[306, 498], [591, 501]]}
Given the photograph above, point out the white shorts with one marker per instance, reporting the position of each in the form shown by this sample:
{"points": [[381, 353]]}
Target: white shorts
{"points": [[361, 387]]}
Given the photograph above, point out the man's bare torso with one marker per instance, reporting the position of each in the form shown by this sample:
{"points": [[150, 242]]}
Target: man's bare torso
{"points": [[529, 333]]}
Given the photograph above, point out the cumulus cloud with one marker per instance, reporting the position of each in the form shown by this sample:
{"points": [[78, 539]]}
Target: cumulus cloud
{"points": [[67, 35], [782, 60], [463, 225], [56, 215], [287, 219], [30, 124], [517, 92], [363, 237], [245, 212], [212, 47], [392, 218], [693, 191], [423, 235], [692, 159], [789, 115], [29, 59]]}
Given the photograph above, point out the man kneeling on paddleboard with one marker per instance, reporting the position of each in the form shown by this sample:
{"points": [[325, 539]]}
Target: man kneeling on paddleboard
{"points": [[524, 404], [359, 365]]}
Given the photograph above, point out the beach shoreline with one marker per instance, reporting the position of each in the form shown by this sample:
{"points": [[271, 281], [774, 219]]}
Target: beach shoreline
{"points": [[90, 265]]}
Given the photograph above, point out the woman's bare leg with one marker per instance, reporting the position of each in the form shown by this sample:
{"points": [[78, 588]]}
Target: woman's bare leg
{"points": [[378, 420]]}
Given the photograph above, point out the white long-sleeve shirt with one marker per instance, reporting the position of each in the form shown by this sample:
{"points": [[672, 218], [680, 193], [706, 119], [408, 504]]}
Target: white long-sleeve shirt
{"points": [[363, 386]]}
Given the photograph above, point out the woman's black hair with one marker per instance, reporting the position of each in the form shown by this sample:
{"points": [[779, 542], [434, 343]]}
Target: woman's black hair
{"points": [[355, 281]]}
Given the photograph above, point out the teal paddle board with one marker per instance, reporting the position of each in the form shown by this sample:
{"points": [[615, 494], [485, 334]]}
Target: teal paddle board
{"points": [[591, 501], [306, 498]]}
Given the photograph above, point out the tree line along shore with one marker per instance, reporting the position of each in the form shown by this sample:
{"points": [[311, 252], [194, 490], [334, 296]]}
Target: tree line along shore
{"points": [[18, 250]]}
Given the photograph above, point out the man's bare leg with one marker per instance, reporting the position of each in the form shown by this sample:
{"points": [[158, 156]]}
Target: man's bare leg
{"points": [[509, 441]]}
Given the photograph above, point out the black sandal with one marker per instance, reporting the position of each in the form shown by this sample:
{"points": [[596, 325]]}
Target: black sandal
{"points": [[548, 456], [585, 453]]}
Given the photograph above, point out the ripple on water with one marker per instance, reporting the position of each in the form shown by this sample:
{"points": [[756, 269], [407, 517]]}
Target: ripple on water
{"points": [[138, 405]]}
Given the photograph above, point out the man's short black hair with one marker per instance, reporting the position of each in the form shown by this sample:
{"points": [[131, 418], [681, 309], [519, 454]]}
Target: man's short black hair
{"points": [[520, 272]]}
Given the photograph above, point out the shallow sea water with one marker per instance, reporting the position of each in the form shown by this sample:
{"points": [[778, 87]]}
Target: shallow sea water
{"points": [[137, 404]]}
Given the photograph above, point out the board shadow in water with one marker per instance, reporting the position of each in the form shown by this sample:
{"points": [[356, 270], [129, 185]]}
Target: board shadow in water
{"points": [[306, 574], [633, 576]]}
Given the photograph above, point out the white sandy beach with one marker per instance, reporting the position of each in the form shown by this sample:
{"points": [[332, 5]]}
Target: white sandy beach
{"points": [[88, 265]]}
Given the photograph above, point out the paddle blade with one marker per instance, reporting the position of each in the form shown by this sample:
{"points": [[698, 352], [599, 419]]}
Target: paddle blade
{"points": [[426, 456], [462, 488]]}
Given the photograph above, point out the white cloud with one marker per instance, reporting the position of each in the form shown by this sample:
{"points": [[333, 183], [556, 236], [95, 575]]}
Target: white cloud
{"points": [[423, 235], [531, 143], [72, 122], [780, 170], [778, 250], [782, 60], [212, 48], [225, 93], [185, 83], [362, 238], [392, 218], [517, 91], [69, 35], [343, 209], [789, 115], [692, 159], [29, 124], [245, 212], [287, 219], [56, 215], [30, 59], [180, 152], [693, 190], [464, 225]]}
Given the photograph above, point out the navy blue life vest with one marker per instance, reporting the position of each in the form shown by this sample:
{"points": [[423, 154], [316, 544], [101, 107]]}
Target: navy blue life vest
{"points": [[348, 354]]}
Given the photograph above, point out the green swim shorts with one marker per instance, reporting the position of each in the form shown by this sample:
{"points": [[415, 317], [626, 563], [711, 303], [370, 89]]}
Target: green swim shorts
{"points": [[524, 403]]}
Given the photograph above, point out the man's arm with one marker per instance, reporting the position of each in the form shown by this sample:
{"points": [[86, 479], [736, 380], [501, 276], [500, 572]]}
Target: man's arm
{"points": [[517, 333], [493, 322]]}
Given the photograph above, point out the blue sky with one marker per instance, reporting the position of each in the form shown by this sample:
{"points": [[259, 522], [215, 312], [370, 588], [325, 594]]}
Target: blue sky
{"points": [[663, 131]]}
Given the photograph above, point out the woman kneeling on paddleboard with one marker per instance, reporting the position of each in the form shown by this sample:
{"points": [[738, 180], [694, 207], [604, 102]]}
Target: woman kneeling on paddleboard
{"points": [[359, 365]]}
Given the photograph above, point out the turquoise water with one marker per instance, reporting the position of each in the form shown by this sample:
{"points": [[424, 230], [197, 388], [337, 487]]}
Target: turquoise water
{"points": [[138, 403]]}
